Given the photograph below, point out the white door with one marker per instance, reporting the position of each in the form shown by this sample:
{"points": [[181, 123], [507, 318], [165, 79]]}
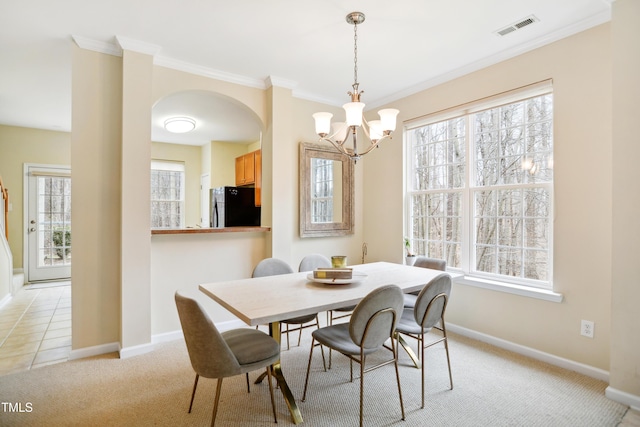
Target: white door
{"points": [[48, 223]]}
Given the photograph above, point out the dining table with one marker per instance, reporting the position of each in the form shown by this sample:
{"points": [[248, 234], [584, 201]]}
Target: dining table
{"points": [[272, 299]]}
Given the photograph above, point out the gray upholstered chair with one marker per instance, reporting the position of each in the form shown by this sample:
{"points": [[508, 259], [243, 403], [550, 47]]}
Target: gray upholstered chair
{"points": [[221, 355], [313, 261], [424, 262], [275, 266], [428, 314], [371, 325]]}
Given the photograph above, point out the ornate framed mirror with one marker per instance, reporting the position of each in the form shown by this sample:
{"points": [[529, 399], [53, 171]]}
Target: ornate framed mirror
{"points": [[326, 191]]}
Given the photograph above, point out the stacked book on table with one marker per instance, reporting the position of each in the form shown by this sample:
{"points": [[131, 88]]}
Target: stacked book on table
{"points": [[333, 273]]}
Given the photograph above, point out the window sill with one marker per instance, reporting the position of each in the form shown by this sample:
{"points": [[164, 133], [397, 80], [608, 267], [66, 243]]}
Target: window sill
{"points": [[510, 288]]}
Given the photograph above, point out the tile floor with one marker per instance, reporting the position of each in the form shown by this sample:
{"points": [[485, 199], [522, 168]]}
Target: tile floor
{"points": [[35, 327]]}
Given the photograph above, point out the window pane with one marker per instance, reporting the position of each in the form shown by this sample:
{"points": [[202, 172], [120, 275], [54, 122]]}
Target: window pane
{"points": [[505, 204]]}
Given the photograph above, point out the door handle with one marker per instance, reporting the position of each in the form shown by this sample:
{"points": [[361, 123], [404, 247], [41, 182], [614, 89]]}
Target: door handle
{"points": [[33, 221], [32, 229]]}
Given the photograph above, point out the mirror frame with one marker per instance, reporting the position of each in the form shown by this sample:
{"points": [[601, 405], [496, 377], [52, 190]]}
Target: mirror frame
{"points": [[310, 151]]}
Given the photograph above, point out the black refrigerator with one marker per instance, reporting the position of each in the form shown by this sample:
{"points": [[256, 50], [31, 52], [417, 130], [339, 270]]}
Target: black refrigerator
{"points": [[233, 207]]}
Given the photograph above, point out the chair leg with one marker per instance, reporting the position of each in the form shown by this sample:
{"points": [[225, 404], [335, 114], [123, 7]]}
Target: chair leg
{"points": [[287, 332], [324, 362], [193, 393], [300, 332], [446, 347], [422, 359], [306, 380], [362, 362], [248, 387], [215, 404], [395, 363], [273, 402]]}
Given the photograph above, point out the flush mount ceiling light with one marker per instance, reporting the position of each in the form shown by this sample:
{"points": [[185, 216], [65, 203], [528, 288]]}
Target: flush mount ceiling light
{"points": [[375, 130], [180, 124]]}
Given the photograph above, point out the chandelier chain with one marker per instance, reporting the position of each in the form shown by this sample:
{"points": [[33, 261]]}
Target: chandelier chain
{"points": [[355, 54]]}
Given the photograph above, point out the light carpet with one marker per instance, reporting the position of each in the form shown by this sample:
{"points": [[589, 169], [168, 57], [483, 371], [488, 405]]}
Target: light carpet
{"points": [[492, 387]]}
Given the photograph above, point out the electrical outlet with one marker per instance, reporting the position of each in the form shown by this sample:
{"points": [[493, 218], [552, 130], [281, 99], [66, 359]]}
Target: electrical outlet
{"points": [[586, 328]]}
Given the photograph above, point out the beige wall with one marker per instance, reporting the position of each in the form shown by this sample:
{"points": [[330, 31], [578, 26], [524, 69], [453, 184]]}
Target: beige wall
{"points": [[223, 163], [18, 146], [96, 143], [625, 321], [190, 155], [580, 67]]}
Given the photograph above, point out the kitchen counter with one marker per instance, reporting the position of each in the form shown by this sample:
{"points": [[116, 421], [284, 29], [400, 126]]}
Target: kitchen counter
{"points": [[197, 230]]}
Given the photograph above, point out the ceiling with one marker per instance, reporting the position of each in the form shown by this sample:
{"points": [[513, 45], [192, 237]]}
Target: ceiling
{"points": [[307, 46]]}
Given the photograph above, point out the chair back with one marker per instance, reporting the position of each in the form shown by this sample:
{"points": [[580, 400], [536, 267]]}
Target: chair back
{"points": [[375, 317], [271, 267], [209, 353], [432, 301], [433, 263], [313, 261]]}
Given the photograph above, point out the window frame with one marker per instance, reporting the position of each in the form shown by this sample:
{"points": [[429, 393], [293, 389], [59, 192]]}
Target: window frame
{"points": [[467, 269]]}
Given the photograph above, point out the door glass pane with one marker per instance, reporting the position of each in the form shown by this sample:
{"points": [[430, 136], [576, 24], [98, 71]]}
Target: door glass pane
{"points": [[54, 221]]}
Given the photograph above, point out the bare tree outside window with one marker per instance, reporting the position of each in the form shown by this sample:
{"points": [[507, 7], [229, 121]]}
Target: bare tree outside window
{"points": [[505, 201], [167, 195]]}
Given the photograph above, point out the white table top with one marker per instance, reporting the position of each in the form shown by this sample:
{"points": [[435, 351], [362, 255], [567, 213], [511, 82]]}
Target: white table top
{"points": [[262, 300]]}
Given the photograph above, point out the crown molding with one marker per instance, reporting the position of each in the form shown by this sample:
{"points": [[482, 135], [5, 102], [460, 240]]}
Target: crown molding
{"points": [[97, 46], [583, 25], [175, 64], [126, 43], [314, 97], [280, 82]]}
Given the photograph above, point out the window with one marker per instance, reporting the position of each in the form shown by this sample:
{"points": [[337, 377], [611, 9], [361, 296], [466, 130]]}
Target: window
{"points": [[167, 194], [479, 189]]}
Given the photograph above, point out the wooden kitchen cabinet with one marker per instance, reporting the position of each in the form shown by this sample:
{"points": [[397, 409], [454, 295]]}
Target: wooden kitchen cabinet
{"points": [[249, 172], [246, 169], [258, 185]]}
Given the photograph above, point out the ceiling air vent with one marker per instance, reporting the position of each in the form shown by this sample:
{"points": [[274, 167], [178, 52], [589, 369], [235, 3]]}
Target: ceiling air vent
{"points": [[518, 25]]}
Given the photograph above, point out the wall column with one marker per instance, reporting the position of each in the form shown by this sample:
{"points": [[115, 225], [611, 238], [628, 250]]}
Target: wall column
{"points": [[624, 375], [135, 328], [284, 171]]}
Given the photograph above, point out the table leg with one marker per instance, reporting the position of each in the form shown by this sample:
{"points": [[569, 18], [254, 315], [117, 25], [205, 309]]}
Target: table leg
{"points": [[409, 351], [275, 332]]}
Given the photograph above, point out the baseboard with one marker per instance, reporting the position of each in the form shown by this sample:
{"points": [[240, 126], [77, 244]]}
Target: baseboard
{"points": [[96, 350], [18, 280], [5, 300], [167, 337], [143, 348], [571, 365], [177, 335], [136, 350], [623, 397]]}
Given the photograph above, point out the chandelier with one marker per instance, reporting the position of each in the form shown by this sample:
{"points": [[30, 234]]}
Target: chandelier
{"points": [[375, 130]]}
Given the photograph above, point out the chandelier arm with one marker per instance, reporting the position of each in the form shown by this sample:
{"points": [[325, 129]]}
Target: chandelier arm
{"points": [[366, 129], [330, 137], [373, 145], [338, 146]]}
